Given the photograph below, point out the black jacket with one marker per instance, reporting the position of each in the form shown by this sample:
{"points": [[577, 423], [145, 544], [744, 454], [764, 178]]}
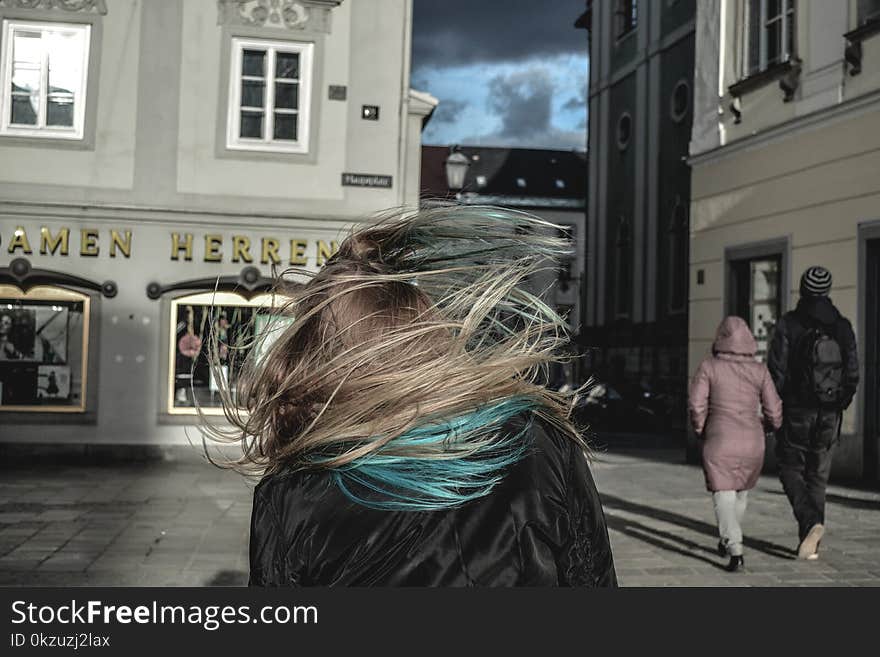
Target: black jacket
{"points": [[543, 525], [811, 312]]}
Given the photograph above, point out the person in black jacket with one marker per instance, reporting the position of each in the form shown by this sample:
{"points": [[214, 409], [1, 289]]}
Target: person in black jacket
{"points": [[815, 366], [396, 424]]}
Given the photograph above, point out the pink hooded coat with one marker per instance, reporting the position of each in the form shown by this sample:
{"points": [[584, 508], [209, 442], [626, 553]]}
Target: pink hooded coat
{"points": [[729, 393]]}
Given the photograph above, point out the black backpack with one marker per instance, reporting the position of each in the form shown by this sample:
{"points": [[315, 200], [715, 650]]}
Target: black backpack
{"points": [[820, 364]]}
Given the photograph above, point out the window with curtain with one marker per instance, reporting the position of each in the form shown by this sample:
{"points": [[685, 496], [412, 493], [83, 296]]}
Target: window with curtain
{"points": [[771, 34], [43, 72]]}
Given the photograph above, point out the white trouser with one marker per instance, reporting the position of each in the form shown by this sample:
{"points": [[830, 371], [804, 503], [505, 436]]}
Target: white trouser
{"points": [[730, 507]]}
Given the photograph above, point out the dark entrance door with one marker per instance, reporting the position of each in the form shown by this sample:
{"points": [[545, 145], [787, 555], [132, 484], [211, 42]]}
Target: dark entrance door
{"points": [[872, 361]]}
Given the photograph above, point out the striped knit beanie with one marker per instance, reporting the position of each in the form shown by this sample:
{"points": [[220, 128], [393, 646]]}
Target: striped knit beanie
{"points": [[816, 282]]}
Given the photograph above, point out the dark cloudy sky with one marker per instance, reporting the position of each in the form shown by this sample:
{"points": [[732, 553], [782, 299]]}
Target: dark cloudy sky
{"points": [[507, 72]]}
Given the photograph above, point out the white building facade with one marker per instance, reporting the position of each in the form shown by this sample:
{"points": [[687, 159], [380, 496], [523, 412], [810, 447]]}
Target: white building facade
{"points": [[152, 152], [785, 158]]}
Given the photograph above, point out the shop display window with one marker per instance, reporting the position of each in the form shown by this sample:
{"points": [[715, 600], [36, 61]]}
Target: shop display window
{"points": [[240, 325], [757, 296], [43, 349]]}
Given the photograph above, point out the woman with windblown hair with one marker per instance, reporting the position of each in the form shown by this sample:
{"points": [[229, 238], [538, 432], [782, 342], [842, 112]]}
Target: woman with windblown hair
{"points": [[397, 426]]}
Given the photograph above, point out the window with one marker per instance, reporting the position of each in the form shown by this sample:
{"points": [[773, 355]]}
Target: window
{"points": [[677, 271], [626, 16], [771, 33], [757, 295], [680, 101], [623, 269], [239, 326], [43, 77], [566, 273], [868, 10], [624, 130], [269, 91], [43, 349]]}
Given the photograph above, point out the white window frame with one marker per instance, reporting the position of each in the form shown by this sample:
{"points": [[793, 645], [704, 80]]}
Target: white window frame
{"points": [[41, 130], [267, 143], [788, 12]]}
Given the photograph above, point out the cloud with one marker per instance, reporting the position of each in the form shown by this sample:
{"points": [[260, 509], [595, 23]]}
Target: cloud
{"points": [[507, 72], [449, 111], [522, 100], [514, 106], [456, 32], [523, 103], [577, 103]]}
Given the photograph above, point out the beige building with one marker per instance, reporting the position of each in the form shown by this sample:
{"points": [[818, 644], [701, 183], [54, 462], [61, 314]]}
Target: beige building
{"points": [[785, 158], [152, 151]]}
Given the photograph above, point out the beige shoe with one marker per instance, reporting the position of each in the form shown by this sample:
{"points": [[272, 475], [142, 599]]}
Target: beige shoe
{"points": [[809, 547]]}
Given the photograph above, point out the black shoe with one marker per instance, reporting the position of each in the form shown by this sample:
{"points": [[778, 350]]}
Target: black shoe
{"points": [[737, 564], [722, 549]]}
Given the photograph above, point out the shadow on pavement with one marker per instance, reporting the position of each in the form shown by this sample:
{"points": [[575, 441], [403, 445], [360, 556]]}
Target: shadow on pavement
{"points": [[613, 502], [659, 538], [842, 500], [852, 502]]}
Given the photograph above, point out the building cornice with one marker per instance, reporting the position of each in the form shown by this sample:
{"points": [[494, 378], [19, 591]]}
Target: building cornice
{"points": [[812, 121], [113, 212], [86, 6], [312, 15]]}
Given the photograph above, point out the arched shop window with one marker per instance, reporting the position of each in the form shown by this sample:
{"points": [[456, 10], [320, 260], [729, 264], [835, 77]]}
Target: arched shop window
{"points": [[240, 325], [44, 340]]}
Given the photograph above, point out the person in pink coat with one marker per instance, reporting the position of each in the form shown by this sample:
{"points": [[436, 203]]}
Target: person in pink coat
{"points": [[730, 394]]}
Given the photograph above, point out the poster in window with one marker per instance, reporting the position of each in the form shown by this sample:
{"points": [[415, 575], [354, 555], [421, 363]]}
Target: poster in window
{"points": [[196, 325], [53, 382], [42, 349]]}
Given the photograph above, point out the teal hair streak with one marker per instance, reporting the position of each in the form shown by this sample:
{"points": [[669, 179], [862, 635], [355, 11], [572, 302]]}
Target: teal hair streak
{"points": [[390, 481]]}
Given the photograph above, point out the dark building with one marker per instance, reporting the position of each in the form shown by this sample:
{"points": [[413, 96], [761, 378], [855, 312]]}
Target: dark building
{"points": [[550, 184], [640, 113]]}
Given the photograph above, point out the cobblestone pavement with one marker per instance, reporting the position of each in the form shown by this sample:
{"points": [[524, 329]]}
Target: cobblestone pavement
{"points": [[663, 529], [182, 522]]}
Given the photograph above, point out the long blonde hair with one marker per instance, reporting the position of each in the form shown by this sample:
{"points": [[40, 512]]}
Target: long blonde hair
{"points": [[404, 356]]}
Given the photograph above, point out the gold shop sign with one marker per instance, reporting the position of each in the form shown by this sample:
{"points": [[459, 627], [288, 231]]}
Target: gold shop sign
{"points": [[210, 247]]}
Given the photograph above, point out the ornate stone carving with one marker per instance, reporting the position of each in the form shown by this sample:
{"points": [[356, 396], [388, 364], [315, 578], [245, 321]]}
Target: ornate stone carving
{"points": [[313, 15], [98, 6]]}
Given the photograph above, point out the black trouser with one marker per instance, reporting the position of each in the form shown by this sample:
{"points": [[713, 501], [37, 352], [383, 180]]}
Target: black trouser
{"points": [[804, 448]]}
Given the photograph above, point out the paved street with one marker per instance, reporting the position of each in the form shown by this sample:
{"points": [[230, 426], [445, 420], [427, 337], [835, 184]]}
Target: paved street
{"points": [[175, 523], [182, 522], [663, 529]]}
